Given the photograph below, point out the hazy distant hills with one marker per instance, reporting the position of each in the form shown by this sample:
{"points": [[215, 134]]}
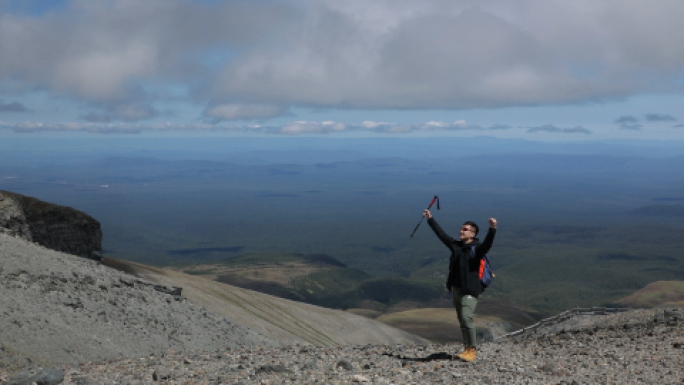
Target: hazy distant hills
{"points": [[572, 215], [662, 210]]}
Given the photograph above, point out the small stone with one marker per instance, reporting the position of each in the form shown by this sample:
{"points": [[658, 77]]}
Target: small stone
{"points": [[161, 374], [345, 365], [272, 369], [83, 381], [549, 367], [359, 378]]}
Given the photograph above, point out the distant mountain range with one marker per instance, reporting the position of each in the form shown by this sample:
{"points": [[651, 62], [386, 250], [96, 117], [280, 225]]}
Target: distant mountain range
{"points": [[662, 210]]}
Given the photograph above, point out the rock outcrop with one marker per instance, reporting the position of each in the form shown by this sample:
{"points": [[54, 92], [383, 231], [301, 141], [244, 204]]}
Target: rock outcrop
{"points": [[53, 226]]}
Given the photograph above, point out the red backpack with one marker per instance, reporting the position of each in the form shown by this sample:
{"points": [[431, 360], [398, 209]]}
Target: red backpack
{"points": [[485, 274]]}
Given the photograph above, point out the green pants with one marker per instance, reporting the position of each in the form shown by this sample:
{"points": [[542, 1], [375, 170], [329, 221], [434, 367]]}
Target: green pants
{"points": [[465, 308]]}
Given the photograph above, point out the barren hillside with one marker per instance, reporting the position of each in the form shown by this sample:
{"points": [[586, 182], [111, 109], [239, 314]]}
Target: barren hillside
{"points": [[59, 308], [281, 319], [637, 346]]}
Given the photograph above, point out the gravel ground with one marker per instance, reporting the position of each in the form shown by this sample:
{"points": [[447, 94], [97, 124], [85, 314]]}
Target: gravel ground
{"points": [[640, 346], [57, 308], [87, 324]]}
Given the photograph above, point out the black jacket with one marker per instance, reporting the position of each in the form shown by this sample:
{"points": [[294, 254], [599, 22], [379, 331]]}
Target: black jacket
{"points": [[464, 267]]}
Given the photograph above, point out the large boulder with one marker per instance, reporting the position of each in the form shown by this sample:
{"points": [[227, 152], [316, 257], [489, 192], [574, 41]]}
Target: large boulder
{"points": [[53, 226]]}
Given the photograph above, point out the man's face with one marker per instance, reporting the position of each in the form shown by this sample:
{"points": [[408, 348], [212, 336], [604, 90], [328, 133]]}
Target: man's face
{"points": [[467, 232]]}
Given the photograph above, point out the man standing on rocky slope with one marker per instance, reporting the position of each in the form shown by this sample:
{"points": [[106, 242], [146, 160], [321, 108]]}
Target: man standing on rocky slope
{"points": [[464, 280]]}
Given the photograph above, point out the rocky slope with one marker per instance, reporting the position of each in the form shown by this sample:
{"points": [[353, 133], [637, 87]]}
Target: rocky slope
{"points": [[61, 309], [56, 227], [639, 346]]}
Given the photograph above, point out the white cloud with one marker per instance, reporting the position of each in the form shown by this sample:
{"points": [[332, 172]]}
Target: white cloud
{"points": [[461, 123], [464, 125], [433, 124], [243, 111], [334, 126], [464, 54], [255, 60], [28, 127], [126, 112], [371, 125], [104, 74], [115, 128], [290, 128], [109, 50], [301, 127], [307, 127]]}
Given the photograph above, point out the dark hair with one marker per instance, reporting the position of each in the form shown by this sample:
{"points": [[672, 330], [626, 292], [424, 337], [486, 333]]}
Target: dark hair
{"points": [[473, 225]]}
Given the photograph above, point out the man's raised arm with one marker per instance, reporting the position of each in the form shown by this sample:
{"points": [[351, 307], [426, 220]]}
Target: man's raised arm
{"points": [[444, 237]]}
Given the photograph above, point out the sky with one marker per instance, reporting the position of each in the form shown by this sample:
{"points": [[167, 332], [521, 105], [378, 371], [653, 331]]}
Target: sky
{"points": [[534, 69]]}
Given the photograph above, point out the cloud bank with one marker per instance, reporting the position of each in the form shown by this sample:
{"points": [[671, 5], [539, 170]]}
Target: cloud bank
{"points": [[258, 59], [553, 129], [290, 128]]}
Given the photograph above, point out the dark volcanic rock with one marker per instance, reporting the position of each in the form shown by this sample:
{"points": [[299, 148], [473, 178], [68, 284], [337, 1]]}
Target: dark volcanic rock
{"points": [[53, 226]]}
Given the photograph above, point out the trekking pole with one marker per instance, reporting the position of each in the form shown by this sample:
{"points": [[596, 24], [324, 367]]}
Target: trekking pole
{"points": [[435, 199]]}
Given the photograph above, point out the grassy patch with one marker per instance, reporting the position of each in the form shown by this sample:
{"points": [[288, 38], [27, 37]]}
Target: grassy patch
{"points": [[656, 294], [317, 278]]}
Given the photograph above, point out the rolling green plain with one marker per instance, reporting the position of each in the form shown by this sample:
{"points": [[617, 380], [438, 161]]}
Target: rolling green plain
{"points": [[579, 225]]}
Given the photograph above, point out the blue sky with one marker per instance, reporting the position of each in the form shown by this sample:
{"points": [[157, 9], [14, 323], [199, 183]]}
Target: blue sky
{"points": [[534, 69]]}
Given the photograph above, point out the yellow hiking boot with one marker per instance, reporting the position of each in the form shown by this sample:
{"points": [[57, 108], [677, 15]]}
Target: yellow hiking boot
{"points": [[458, 356], [468, 355]]}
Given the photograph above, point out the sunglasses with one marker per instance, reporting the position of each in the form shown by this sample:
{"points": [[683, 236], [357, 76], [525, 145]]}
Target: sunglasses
{"points": [[466, 229]]}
